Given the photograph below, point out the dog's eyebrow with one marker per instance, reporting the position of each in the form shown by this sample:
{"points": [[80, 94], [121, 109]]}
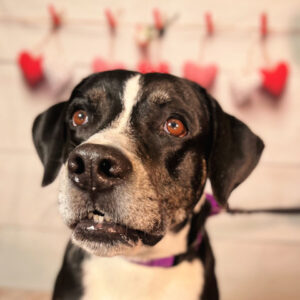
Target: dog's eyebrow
{"points": [[159, 97], [96, 94]]}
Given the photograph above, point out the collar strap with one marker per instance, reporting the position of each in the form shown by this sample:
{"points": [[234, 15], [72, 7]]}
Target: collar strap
{"points": [[167, 262]]}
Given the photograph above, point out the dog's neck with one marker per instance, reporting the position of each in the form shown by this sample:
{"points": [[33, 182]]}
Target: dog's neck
{"points": [[173, 243]]}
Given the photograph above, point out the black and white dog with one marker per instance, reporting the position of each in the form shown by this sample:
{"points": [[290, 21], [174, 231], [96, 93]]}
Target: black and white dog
{"points": [[135, 152]]}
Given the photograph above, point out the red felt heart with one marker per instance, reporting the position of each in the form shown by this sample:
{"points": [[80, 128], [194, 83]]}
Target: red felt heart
{"points": [[163, 67], [203, 75], [145, 66], [274, 80], [31, 67], [100, 65]]}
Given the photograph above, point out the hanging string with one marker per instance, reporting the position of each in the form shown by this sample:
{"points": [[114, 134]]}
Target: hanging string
{"points": [[222, 27], [112, 22], [264, 33], [207, 35]]}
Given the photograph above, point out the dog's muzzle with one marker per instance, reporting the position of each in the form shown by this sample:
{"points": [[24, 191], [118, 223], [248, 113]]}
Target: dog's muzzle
{"points": [[97, 168]]}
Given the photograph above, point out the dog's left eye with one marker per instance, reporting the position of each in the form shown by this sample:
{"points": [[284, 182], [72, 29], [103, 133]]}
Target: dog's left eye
{"points": [[175, 127], [80, 117]]}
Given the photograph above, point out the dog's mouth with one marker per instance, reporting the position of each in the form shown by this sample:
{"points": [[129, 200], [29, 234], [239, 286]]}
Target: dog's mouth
{"points": [[98, 227]]}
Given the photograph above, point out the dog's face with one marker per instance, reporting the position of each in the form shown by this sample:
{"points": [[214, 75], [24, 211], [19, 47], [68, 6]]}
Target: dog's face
{"points": [[135, 152]]}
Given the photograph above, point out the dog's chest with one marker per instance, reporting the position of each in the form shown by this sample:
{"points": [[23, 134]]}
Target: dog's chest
{"points": [[116, 278]]}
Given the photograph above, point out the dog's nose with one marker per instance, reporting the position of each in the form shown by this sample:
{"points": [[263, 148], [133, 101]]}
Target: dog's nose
{"points": [[98, 167]]}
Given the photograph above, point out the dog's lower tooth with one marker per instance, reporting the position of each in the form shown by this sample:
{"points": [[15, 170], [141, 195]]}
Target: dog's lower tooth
{"points": [[107, 218], [96, 218], [90, 216], [101, 219]]}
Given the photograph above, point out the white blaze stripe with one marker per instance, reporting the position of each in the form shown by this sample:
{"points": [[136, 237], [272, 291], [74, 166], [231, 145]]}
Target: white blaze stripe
{"points": [[129, 100], [115, 134]]}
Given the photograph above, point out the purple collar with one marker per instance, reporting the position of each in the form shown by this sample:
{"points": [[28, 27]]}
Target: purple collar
{"points": [[167, 262]]}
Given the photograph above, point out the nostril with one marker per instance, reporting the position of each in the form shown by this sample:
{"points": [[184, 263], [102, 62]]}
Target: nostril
{"points": [[108, 168], [76, 165]]}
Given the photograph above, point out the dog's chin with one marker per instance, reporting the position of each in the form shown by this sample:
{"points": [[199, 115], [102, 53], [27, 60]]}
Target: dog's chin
{"points": [[110, 239], [105, 249]]}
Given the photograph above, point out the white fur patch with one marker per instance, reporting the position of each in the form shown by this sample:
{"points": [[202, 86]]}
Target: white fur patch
{"points": [[115, 278], [171, 244], [115, 135], [129, 100]]}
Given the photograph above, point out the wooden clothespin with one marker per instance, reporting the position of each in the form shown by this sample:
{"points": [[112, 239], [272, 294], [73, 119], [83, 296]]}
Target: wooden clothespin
{"points": [[210, 28], [158, 20], [111, 20], [56, 17], [264, 30]]}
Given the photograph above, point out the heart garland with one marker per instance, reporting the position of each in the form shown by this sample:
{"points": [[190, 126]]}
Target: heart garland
{"points": [[275, 79], [35, 69], [272, 79], [204, 75], [58, 74], [146, 34], [242, 87], [101, 65], [31, 67], [145, 66]]}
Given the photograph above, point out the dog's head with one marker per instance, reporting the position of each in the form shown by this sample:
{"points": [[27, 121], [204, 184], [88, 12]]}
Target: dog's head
{"points": [[136, 151]]}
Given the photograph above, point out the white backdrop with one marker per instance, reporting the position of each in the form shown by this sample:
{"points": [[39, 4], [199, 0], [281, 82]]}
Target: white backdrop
{"points": [[257, 256]]}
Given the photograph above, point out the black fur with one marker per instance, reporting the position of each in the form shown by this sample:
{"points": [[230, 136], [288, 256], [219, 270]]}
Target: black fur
{"points": [[230, 161], [217, 145], [49, 136], [68, 284]]}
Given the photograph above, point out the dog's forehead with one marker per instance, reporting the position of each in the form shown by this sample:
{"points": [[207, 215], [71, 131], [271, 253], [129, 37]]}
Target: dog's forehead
{"points": [[153, 88], [161, 88], [130, 87]]}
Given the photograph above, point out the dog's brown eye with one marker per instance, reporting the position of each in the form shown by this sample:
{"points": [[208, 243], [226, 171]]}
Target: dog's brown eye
{"points": [[80, 117], [175, 127]]}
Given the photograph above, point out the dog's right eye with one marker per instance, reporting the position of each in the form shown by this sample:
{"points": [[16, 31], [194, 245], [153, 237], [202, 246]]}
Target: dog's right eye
{"points": [[80, 117], [175, 127]]}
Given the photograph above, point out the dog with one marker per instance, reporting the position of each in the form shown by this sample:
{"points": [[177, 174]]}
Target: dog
{"points": [[134, 152]]}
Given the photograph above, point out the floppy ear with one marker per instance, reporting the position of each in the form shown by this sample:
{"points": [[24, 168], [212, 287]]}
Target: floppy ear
{"points": [[235, 152], [49, 137]]}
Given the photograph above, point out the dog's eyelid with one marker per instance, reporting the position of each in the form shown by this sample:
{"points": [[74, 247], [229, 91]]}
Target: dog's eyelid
{"points": [[87, 107], [178, 117]]}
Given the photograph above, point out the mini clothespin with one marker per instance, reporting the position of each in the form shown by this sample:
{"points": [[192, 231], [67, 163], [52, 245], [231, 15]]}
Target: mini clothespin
{"points": [[264, 30], [111, 20], [210, 28], [56, 17], [144, 35], [159, 22]]}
